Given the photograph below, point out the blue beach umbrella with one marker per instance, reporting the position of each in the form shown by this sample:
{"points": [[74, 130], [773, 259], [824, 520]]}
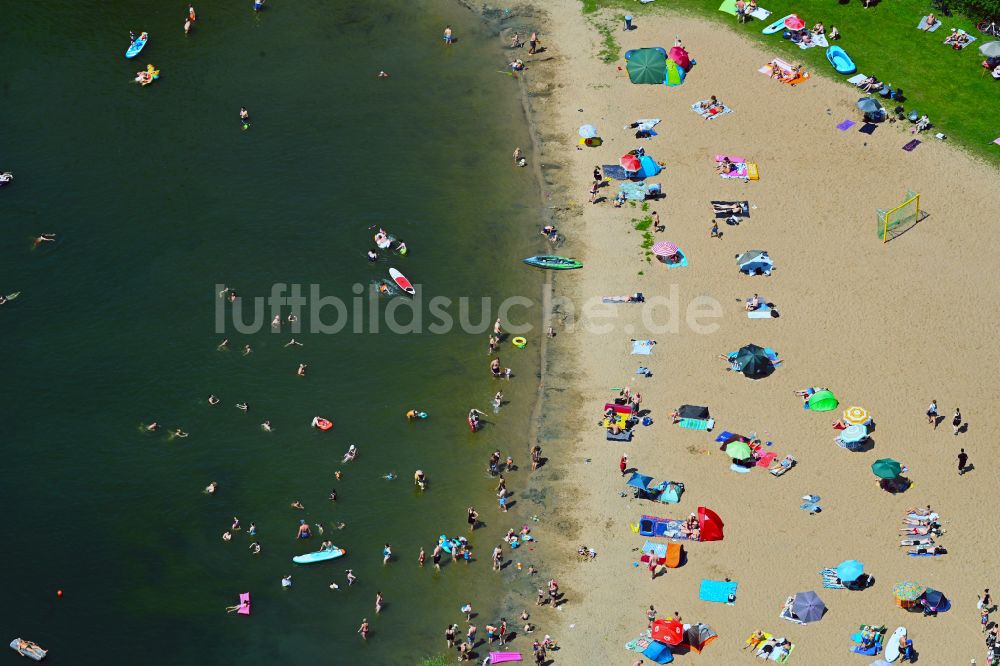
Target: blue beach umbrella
{"points": [[853, 434], [588, 132], [850, 570], [639, 481]]}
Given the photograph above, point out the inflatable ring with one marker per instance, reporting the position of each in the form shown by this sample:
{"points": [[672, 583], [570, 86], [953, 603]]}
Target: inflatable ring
{"points": [[519, 342]]}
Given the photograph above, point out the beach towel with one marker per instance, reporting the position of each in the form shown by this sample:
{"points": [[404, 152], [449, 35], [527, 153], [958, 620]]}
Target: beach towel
{"points": [[868, 128], [725, 437], [743, 209], [697, 424], [728, 6], [644, 347], [923, 25], [615, 171], [804, 76], [830, 580], [911, 145], [718, 591], [657, 550], [857, 78], [762, 312], [739, 469], [679, 264], [766, 459], [815, 40], [638, 644], [645, 123], [846, 125], [709, 114]]}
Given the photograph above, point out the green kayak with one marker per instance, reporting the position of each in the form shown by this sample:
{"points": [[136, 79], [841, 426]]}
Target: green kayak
{"points": [[552, 261]]}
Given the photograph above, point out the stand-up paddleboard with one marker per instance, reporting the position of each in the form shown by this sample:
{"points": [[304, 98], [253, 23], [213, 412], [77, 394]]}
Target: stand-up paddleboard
{"points": [[777, 26], [892, 645], [401, 281], [320, 555], [136, 46], [321, 423]]}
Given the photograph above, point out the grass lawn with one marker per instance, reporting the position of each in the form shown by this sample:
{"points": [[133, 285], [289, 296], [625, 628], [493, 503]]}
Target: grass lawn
{"points": [[951, 87]]}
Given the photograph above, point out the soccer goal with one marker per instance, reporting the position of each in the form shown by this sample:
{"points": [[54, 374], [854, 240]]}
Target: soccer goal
{"points": [[894, 221]]}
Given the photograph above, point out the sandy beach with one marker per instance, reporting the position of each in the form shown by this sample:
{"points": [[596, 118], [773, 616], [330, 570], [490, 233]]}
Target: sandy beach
{"points": [[885, 326]]}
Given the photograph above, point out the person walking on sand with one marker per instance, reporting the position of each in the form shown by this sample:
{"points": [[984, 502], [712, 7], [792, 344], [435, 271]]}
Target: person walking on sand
{"points": [[593, 192], [533, 43], [656, 222], [650, 615], [963, 461], [597, 174], [623, 464], [715, 230], [536, 457], [932, 413], [956, 420]]}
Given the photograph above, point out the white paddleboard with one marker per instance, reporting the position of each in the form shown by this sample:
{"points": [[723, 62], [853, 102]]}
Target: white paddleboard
{"points": [[892, 645]]}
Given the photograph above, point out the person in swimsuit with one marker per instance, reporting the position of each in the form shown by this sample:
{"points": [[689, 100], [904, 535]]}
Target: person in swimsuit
{"points": [[449, 36], [372, 255], [304, 532]]}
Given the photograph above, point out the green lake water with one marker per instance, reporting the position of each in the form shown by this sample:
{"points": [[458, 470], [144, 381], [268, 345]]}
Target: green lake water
{"points": [[157, 196]]}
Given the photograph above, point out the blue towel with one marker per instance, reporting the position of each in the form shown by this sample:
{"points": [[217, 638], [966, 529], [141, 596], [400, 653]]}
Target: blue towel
{"points": [[717, 590], [644, 347]]}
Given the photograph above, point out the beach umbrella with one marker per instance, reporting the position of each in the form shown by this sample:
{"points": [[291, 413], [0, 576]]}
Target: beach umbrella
{"points": [[853, 434], [665, 249], [990, 49], [630, 162], [869, 105], [640, 481], [753, 362], [680, 56], [647, 66], [793, 22], [738, 450], [857, 415], [886, 468], [808, 607], [670, 632], [849, 570], [588, 132], [908, 590]]}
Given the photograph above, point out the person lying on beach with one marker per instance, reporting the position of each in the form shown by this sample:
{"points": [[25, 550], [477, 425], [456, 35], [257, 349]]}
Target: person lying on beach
{"points": [[516, 65], [805, 393], [690, 528], [807, 38], [922, 124], [933, 550], [725, 166], [710, 103], [818, 29], [755, 639], [924, 520], [870, 84], [917, 511], [632, 298], [793, 73], [920, 531], [776, 71]]}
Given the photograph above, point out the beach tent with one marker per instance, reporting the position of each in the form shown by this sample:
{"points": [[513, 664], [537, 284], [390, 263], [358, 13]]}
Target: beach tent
{"points": [[754, 261], [823, 401], [658, 652], [671, 492], [639, 481], [710, 524], [753, 362], [808, 607], [680, 56], [646, 66], [648, 167], [697, 636], [674, 75], [670, 632], [934, 601]]}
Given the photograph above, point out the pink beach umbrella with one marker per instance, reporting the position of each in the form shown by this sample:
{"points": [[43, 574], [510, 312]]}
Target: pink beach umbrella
{"points": [[630, 162], [665, 249], [793, 22]]}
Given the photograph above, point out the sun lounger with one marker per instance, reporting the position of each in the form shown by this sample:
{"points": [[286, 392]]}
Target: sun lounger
{"points": [[718, 591], [697, 424], [783, 465], [923, 25]]}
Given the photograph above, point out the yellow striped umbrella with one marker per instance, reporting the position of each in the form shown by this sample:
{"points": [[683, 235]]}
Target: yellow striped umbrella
{"points": [[858, 415]]}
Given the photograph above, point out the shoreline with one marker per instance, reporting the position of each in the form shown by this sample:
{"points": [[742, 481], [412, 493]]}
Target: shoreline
{"points": [[578, 500]]}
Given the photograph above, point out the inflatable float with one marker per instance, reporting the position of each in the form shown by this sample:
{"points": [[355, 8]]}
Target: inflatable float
{"points": [[321, 423], [448, 545], [840, 60], [402, 282], [504, 657], [136, 46], [519, 342], [414, 414], [244, 604], [322, 555], [147, 77], [28, 649], [777, 26]]}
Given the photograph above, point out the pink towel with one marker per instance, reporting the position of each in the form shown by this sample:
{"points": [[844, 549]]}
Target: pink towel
{"points": [[734, 160], [244, 607], [767, 459], [504, 657]]}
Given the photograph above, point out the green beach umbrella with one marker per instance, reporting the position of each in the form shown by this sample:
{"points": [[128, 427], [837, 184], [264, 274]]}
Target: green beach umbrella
{"points": [[886, 468], [647, 66], [823, 401], [908, 590], [738, 450]]}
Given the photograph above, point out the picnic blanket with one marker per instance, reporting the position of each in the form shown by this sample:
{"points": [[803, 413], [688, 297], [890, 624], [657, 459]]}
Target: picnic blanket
{"points": [[644, 347], [615, 171], [728, 6], [971, 39], [815, 40], [923, 25], [717, 590], [709, 114]]}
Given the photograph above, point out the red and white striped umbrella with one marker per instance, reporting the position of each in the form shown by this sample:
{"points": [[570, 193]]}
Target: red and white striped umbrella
{"points": [[630, 162], [794, 23], [665, 249]]}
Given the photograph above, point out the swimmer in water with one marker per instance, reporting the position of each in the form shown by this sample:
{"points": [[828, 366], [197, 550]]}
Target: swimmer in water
{"points": [[242, 406], [383, 288], [391, 476], [210, 488], [224, 345], [232, 296], [226, 536], [498, 400], [301, 372], [153, 427], [333, 495], [495, 367], [350, 576], [247, 349], [178, 433], [412, 414], [244, 115], [382, 74], [276, 322], [291, 319], [252, 530], [213, 400], [401, 248], [297, 505], [255, 548], [337, 475], [372, 256], [293, 343], [44, 238], [266, 426], [351, 454], [420, 479]]}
